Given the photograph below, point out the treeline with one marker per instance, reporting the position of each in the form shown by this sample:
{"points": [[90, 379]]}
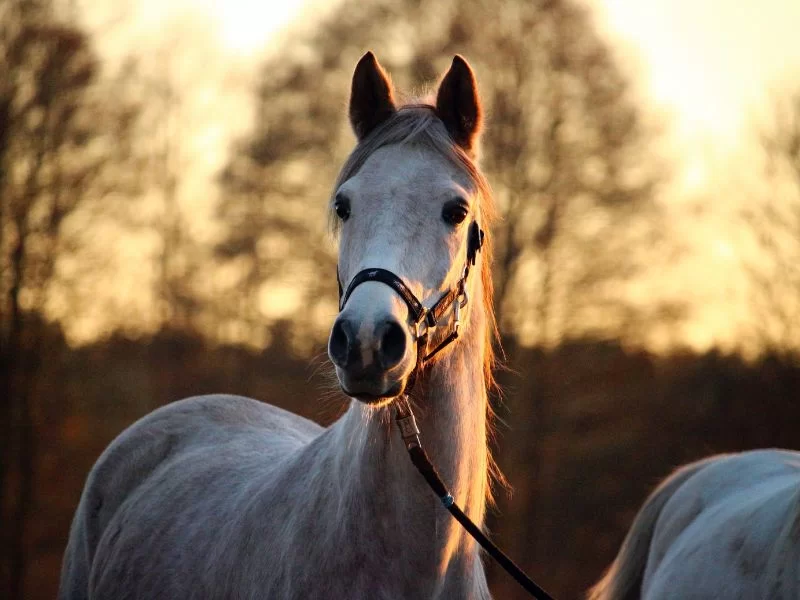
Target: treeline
{"points": [[595, 426]]}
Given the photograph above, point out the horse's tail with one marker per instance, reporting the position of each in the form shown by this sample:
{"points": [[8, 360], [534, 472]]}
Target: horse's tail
{"points": [[623, 579], [77, 562]]}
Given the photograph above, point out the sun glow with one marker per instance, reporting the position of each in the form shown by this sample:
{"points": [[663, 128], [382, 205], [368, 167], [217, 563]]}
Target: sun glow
{"points": [[246, 26], [708, 62], [241, 27], [723, 250]]}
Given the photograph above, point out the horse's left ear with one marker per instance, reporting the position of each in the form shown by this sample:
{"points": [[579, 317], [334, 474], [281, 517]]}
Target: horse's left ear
{"points": [[458, 106]]}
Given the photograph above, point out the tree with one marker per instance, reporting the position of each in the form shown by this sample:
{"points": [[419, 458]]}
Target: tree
{"points": [[163, 149], [59, 141], [773, 220], [565, 150]]}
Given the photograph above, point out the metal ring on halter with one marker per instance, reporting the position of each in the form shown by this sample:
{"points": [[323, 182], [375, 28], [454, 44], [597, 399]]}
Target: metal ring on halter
{"points": [[424, 326]]}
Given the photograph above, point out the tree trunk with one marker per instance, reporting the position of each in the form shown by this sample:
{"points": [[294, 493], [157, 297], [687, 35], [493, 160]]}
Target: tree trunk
{"points": [[25, 461], [18, 417]]}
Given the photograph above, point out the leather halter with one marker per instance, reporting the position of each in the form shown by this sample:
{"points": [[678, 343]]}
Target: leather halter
{"points": [[423, 320]]}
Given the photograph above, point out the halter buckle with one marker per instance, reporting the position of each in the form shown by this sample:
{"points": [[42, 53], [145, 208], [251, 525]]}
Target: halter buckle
{"points": [[461, 301], [425, 325], [422, 328], [463, 297], [409, 430]]}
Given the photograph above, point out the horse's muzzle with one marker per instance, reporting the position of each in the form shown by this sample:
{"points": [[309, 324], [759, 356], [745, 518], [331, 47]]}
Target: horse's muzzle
{"points": [[369, 358]]}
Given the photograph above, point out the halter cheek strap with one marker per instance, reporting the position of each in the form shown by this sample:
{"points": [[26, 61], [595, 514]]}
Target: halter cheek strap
{"points": [[423, 320]]}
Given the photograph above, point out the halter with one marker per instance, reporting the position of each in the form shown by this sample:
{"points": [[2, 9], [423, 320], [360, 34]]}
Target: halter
{"points": [[423, 321]]}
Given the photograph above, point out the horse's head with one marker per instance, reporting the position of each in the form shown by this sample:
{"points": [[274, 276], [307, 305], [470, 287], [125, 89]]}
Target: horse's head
{"points": [[408, 212]]}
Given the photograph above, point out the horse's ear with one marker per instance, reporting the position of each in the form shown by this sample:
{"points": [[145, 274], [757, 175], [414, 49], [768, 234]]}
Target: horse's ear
{"points": [[458, 106], [371, 97]]}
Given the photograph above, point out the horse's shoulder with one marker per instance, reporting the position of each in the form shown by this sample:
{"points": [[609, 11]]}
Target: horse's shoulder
{"points": [[229, 413], [211, 418], [193, 424]]}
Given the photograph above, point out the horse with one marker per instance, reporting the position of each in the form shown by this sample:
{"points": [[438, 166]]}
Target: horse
{"points": [[725, 527], [222, 496]]}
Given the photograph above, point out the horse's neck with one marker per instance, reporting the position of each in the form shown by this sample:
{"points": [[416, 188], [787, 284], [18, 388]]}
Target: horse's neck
{"points": [[450, 405]]}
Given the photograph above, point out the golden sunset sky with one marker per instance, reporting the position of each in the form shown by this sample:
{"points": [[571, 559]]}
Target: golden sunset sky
{"points": [[706, 67], [713, 67]]}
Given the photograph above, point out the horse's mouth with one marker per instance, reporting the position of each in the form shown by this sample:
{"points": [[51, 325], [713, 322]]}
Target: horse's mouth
{"points": [[362, 393]]}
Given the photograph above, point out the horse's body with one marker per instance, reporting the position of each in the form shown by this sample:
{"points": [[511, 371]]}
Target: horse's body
{"points": [[726, 528], [226, 497]]}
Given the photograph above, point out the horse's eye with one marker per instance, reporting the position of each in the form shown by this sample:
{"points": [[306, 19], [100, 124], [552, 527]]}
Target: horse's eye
{"points": [[454, 212], [342, 207]]}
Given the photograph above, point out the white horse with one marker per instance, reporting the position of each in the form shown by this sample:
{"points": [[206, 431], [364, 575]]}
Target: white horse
{"points": [[225, 497], [726, 528]]}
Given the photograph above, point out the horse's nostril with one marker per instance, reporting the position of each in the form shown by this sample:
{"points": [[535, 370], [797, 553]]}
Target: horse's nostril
{"points": [[393, 344], [339, 344]]}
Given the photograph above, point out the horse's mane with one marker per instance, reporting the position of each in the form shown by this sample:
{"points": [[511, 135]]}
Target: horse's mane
{"points": [[418, 124]]}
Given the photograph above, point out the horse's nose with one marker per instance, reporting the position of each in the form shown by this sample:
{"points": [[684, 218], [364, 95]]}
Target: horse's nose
{"points": [[381, 351]]}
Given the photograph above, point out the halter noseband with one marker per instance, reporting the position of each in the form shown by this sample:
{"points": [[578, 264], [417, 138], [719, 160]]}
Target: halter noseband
{"points": [[423, 320]]}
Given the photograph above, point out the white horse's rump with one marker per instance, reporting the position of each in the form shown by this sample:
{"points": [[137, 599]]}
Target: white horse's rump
{"points": [[725, 528], [221, 497]]}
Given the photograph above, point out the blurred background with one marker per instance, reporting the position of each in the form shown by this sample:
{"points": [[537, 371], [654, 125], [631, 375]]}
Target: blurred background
{"points": [[164, 171]]}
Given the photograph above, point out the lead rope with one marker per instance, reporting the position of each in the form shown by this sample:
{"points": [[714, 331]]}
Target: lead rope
{"points": [[410, 433], [424, 320]]}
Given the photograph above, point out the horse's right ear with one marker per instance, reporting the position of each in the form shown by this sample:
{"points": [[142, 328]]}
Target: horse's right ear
{"points": [[371, 98]]}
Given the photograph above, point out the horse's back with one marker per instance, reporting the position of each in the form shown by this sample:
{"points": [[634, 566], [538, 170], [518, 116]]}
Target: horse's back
{"points": [[204, 447], [724, 527], [731, 531]]}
